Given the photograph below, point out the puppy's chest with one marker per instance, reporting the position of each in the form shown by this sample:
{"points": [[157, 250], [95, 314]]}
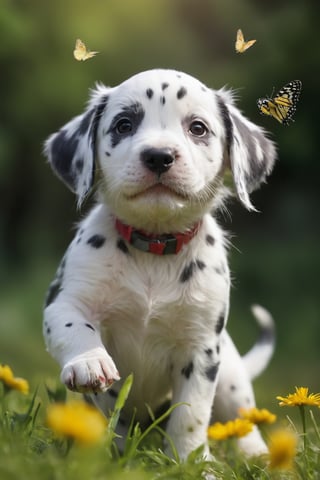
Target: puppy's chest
{"points": [[163, 296]]}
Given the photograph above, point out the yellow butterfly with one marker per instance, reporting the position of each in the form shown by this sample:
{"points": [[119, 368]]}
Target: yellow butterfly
{"points": [[81, 53], [240, 45], [283, 104]]}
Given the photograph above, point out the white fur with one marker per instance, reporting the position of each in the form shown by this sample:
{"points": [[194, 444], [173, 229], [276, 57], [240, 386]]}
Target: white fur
{"points": [[112, 312]]}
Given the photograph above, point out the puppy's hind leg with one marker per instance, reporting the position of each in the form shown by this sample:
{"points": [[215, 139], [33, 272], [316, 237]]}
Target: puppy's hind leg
{"points": [[234, 389]]}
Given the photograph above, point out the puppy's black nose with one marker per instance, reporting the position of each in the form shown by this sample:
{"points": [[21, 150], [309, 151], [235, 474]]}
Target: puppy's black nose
{"points": [[157, 160]]}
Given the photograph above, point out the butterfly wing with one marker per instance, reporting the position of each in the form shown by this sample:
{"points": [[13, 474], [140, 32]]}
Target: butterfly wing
{"points": [[240, 45], [79, 50], [248, 44], [81, 53], [283, 106], [239, 41], [89, 54], [268, 107], [287, 99], [289, 94]]}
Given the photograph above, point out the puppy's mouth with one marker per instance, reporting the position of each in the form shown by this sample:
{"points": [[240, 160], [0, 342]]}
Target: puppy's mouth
{"points": [[158, 190]]}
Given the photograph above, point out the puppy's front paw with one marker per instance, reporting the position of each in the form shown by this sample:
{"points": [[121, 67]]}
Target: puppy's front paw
{"points": [[93, 371]]}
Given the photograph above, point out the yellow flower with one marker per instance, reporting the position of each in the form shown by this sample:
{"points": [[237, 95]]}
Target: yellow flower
{"points": [[300, 397], [282, 449], [233, 428], [11, 382], [76, 420], [257, 416]]}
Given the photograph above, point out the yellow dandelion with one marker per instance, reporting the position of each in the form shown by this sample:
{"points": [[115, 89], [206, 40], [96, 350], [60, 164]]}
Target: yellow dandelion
{"points": [[233, 428], [11, 382], [282, 449], [76, 420], [257, 416], [300, 397]]}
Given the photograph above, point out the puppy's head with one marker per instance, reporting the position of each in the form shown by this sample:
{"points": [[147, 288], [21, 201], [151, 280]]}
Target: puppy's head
{"points": [[160, 143]]}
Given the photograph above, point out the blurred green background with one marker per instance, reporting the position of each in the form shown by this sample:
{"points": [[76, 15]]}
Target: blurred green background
{"points": [[275, 254]]}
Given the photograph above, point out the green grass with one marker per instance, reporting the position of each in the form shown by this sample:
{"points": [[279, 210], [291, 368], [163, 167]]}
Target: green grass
{"points": [[28, 448]]}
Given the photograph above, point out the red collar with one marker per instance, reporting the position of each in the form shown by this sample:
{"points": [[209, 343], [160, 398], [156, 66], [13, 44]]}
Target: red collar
{"points": [[158, 244]]}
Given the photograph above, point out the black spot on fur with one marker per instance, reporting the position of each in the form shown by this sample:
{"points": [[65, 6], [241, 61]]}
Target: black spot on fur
{"points": [[187, 272], [79, 165], [90, 326], [162, 100], [99, 109], [210, 240], [69, 324], [267, 335], [211, 372], [149, 93], [233, 388], [85, 122], [200, 264], [227, 123], [164, 85], [187, 370], [218, 270], [79, 236], [56, 286], [121, 245], [54, 290], [108, 154], [208, 352], [218, 349], [63, 149], [96, 241], [182, 92], [48, 331], [220, 323]]}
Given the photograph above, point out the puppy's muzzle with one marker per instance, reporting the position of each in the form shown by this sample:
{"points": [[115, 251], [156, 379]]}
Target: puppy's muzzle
{"points": [[158, 160]]}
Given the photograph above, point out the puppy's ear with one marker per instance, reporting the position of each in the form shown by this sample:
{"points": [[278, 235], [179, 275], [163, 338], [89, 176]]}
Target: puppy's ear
{"points": [[71, 151], [249, 154]]}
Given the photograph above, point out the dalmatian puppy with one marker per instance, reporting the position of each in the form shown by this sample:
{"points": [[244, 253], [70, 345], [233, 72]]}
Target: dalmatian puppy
{"points": [[144, 286]]}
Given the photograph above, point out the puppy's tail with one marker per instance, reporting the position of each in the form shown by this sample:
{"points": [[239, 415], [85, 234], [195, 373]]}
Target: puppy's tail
{"points": [[258, 357]]}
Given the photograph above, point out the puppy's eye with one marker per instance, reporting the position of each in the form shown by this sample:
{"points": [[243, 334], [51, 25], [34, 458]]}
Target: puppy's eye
{"points": [[124, 125], [198, 128]]}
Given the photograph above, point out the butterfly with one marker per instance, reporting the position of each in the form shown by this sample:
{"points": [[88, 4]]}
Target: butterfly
{"points": [[80, 51], [282, 106], [240, 45]]}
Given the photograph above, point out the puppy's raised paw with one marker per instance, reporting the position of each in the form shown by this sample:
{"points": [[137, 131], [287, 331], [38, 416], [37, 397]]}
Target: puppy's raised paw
{"points": [[92, 372]]}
